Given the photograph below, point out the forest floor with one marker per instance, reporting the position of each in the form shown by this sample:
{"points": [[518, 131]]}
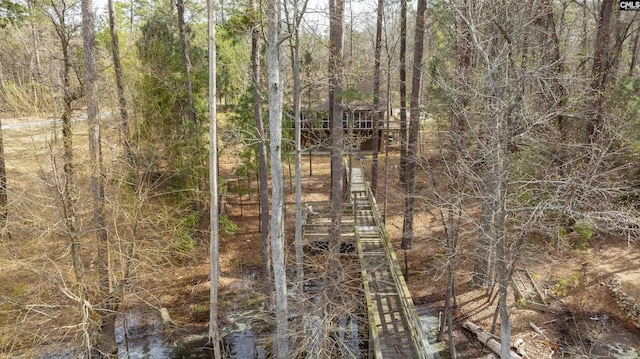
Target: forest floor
{"points": [[584, 320]]}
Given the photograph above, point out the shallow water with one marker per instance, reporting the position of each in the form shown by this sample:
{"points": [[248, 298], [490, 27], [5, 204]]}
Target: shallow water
{"points": [[139, 336], [622, 354], [242, 344], [430, 325]]}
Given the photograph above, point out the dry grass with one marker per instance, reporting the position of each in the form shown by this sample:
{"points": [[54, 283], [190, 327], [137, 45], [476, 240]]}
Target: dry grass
{"points": [[37, 304]]}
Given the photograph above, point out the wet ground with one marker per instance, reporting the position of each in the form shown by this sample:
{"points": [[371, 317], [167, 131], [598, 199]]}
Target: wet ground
{"points": [[139, 335]]}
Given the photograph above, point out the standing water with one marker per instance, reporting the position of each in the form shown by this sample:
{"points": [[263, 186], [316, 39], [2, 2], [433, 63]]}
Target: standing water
{"points": [[139, 335], [430, 325]]}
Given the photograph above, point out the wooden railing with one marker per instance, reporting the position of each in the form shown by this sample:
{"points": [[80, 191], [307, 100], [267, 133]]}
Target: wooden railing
{"points": [[418, 336], [374, 343]]}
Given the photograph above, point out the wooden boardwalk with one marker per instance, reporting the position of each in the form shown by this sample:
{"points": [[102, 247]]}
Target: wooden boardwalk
{"points": [[394, 328]]}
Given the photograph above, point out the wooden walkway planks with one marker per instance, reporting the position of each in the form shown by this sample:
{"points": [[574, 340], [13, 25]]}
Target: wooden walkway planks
{"points": [[395, 328]]}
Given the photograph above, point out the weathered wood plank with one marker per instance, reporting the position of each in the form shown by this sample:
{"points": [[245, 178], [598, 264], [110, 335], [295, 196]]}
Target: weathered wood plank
{"points": [[409, 327]]}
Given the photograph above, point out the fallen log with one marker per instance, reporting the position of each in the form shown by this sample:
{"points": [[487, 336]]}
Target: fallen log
{"points": [[537, 330], [487, 339]]}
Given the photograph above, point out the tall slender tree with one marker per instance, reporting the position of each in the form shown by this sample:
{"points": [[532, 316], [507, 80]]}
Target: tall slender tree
{"points": [[601, 69], [263, 167], [69, 197], [186, 63], [452, 215], [336, 30], [414, 130], [403, 90], [377, 75], [214, 234], [633, 50], [106, 341], [295, 19], [497, 45], [274, 85], [125, 134]]}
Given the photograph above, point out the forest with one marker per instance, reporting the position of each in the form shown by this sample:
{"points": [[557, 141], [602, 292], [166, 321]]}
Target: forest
{"points": [[161, 159]]}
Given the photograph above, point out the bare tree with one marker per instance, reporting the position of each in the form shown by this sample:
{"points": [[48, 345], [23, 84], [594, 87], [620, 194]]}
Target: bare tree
{"points": [[513, 104], [336, 30], [186, 61], [633, 49], [58, 14], [122, 101], [263, 167], [106, 341], [601, 67], [377, 75], [412, 146], [281, 345], [403, 90], [496, 45], [295, 19], [452, 196], [214, 236]]}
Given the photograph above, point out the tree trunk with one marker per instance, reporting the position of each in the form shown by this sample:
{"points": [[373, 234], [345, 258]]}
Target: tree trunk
{"points": [[297, 118], [487, 339], [412, 148], [386, 137], [263, 167], [552, 42], [451, 222], [600, 71], [336, 29], [36, 71], [377, 75], [122, 101], [403, 90], [68, 192], [459, 123], [214, 220], [106, 342], [633, 49], [281, 346], [482, 272], [186, 60], [501, 256]]}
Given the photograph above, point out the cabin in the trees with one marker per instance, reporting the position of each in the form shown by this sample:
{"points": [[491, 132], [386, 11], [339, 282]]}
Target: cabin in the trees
{"points": [[360, 122]]}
